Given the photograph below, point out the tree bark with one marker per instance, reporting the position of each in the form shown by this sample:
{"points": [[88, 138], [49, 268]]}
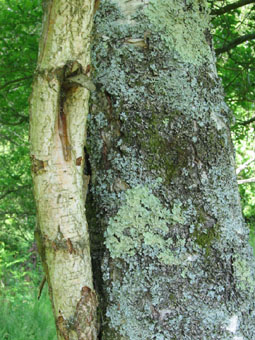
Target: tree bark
{"points": [[59, 107], [164, 197]]}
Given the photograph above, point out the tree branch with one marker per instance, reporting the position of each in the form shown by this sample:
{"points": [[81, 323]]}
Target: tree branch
{"points": [[235, 43], [243, 166], [9, 140], [230, 7], [20, 214], [14, 190], [249, 180], [246, 122], [21, 120], [14, 81]]}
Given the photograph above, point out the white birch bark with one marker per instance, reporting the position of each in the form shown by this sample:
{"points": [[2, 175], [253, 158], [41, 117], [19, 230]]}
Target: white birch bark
{"points": [[59, 109]]}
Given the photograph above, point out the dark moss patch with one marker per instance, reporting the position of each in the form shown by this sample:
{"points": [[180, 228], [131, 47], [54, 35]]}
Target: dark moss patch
{"points": [[205, 237]]}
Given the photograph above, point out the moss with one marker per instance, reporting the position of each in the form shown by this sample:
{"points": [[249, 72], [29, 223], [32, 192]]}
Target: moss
{"points": [[110, 334], [167, 155], [172, 154], [187, 39], [206, 237], [206, 231]]}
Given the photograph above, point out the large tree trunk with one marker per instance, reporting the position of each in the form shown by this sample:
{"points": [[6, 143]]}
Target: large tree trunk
{"points": [[59, 106], [177, 264]]}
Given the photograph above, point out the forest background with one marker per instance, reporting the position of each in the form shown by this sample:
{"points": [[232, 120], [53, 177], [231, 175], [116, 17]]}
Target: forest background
{"points": [[22, 316]]}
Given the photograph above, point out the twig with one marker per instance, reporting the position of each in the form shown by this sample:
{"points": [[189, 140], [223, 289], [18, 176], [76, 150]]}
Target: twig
{"points": [[41, 287], [230, 7], [14, 81], [249, 180], [235, 43], [243, 166]]}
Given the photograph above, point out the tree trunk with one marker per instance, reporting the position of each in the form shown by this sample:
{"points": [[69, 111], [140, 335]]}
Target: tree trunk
{"points": [[59, 107], [164, 196]]}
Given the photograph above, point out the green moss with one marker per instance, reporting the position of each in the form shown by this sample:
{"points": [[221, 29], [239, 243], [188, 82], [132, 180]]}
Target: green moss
{"points": [[205, 238], [168, 156], [187, 39], [204, 235]]}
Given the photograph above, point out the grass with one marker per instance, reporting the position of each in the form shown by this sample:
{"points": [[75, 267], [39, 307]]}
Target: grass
{"points": [[27, 319]]}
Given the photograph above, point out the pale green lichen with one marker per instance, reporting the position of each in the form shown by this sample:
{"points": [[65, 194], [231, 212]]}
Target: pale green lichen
{"points": [[244, 274], [141, 226], [182, 27]]}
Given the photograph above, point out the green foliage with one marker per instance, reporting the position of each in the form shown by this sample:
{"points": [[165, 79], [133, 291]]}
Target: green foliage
{"points": [[27, 319], [20, 316], [20, 22], [18, 51], [236, 66], [20, 272]]}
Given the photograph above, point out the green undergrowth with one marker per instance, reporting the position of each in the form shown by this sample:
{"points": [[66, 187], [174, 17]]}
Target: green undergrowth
{"points": [[27, 318]]}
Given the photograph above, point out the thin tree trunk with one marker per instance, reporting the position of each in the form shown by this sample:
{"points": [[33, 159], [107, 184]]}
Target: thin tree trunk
{"points": [[59, 107], [164, 195]]}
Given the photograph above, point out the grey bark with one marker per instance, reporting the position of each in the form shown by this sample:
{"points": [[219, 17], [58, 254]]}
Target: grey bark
{"points": [[175, 263]]}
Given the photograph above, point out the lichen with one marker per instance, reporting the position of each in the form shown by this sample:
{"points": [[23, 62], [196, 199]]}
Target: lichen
{"points": [[182, 27], [244, 273], [141, 226]]}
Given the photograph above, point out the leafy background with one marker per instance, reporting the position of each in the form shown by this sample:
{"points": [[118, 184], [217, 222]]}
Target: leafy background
{"points": [[22, 316]]}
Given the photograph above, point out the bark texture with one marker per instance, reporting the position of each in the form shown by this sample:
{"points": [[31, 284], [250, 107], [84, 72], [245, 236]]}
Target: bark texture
{"points": [[59, 107], [176, 263]]}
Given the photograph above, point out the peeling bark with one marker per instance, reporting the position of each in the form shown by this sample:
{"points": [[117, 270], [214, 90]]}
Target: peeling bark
{"points": [[59, 107]]}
